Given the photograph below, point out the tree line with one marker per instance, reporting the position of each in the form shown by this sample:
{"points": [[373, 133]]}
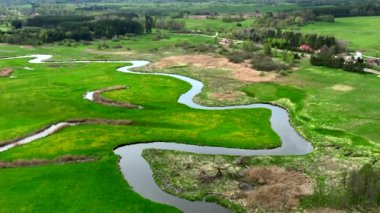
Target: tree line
{"points": [[47, 29], [327, 57], [288, 40], [370, 9]]}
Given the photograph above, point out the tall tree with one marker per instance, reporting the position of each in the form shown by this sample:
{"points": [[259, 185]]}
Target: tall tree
{"points": [[148, 24]]}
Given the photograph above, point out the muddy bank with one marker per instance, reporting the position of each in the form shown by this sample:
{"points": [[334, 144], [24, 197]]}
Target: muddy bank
{"points": [[6, 72], [39, 162], [98, 98]]}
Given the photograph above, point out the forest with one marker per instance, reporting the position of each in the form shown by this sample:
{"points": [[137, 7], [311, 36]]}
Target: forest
{"points": [[47, 29]]}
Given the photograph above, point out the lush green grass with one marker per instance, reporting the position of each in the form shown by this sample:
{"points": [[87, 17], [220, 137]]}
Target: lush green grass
{"points": [[49, 102], [83, 187], [129, 46], [361, 33], [52, 93], [349, 118]]}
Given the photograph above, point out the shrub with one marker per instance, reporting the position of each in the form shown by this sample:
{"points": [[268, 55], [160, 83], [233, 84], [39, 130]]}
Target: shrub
{"points": [[171, 25], [267, 49], [204, 48], [326, 18], [117, 46], [158, 36], [265, 63], [354, 66], [238, 57], [362, 187]]}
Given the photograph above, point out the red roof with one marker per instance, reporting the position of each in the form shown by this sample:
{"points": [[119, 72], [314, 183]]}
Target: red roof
{"points": [[305, 47]]}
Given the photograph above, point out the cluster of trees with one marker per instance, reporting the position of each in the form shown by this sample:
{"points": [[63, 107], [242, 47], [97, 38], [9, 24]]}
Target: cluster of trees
{"points": [[288, 40], [325, 14], [349, 10], [266, 63], [326, 57], [170, 24], [41, 29], [285, 19]]}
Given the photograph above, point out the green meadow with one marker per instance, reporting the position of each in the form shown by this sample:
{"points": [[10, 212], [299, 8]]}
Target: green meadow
{"points": [[360, 33], [328, 105], [57, 95]]}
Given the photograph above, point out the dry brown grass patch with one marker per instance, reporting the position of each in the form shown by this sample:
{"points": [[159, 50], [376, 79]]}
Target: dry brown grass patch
{"points": [[224, 96], [342, 88], [278, 189], [6, 72], [241, 72]]}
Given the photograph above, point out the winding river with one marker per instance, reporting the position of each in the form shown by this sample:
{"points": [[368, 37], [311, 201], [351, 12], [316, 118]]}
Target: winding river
{"points": [[138, 172]]}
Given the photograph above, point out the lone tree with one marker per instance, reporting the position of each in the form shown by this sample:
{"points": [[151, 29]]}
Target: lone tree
{"points": [[148, 24]]}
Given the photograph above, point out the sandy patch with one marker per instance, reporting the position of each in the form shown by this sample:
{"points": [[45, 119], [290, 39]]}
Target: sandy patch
{"points": [[342, 88], [6, 72], [241, 72]]}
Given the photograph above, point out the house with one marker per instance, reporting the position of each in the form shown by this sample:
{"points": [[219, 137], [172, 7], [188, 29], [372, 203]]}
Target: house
{"points": [[306, 48], [358, 56]]}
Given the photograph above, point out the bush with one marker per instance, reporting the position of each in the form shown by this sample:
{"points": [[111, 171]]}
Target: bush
{"points": [[265, 63], [158, 36], [204, 48], [363, 187], [354, 66], [267, 49], [326, 18], [118, 46], [171, 25], [250, 46], [238, 57]]}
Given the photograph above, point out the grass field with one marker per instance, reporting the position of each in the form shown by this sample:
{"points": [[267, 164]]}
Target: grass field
{"points": [[361, 33], [127, 48], [56, 95], [328, 105]]}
